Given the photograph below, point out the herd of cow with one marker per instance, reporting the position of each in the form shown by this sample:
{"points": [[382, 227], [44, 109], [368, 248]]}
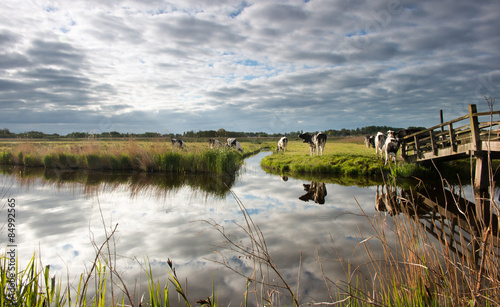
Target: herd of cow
{"points": [[213, 143], [316, 143], [387, 144]]}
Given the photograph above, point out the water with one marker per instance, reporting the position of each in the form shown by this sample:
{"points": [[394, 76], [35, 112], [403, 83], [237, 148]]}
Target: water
{"points": [[65, 217]]}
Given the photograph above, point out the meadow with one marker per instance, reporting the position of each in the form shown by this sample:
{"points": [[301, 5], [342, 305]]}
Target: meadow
{"points": [[150, 155], [342, 157]]}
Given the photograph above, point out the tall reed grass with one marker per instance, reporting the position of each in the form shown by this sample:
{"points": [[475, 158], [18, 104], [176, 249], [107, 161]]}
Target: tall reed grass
{"points": [[135, 156]]}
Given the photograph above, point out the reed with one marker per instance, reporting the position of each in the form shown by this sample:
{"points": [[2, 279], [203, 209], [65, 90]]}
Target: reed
{"points": [[6, 157], [131, 155]]}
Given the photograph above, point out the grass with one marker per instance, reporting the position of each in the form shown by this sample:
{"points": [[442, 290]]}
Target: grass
{"points": [[32, 286], [341, 157], [349, 157], [155, 155]]}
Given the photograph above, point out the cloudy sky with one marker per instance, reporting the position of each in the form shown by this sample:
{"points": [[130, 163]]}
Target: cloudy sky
{"points": [[272, 66]]}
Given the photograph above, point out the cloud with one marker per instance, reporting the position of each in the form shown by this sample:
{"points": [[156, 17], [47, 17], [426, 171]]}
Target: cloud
{"points": [[241, 62]]}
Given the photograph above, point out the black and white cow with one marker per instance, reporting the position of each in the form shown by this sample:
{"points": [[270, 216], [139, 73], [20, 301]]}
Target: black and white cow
{"points": [[214, 143], [391, 147], [282, 144], [316, 191], [379, 143], [316, 142], [178, 143], [232, 143], [370, 141], [405, 132]]}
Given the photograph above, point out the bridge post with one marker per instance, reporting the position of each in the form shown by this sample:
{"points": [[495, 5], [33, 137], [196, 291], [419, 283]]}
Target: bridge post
{"points": [[474, 127], [481, 180], [452, 137]]}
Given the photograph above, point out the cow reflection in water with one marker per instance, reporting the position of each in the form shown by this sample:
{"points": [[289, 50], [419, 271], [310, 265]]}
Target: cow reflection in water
{"points": [[388, 201], [315, 191]]}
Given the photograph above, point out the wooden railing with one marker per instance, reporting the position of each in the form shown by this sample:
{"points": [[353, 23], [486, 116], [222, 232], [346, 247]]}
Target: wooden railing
{"points": [[471, 134]]}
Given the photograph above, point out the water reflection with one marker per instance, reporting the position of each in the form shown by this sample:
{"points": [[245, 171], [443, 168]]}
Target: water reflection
{"points": [[316, 191], [445, 215], [137, 182], [161, 216]]}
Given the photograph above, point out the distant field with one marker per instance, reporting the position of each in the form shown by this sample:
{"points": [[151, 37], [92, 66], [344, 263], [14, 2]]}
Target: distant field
{"points": [[154, 154]]}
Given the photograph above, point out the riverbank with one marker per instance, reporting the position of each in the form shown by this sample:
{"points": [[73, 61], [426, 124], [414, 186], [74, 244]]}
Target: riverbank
{"points": [[346, 157], [350, 157], [156, 155]]}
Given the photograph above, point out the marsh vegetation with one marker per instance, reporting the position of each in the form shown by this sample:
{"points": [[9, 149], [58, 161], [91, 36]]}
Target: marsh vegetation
{"points": [[155, 155]]}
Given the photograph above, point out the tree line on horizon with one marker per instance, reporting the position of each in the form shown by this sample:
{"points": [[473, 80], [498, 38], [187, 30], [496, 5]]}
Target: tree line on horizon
{"points": [[220, 133]]}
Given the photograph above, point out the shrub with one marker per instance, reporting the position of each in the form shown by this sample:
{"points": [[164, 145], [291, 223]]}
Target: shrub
{"points": [[32, 160], [6, 158], [67, 161], [97, 162], [125, 162], [50, 161]]}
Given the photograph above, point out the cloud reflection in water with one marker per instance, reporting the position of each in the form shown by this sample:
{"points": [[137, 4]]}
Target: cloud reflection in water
{"points": [[60, 221]]}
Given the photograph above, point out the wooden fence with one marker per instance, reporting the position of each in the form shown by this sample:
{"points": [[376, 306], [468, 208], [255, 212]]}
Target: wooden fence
{"points": [[473, 134]]}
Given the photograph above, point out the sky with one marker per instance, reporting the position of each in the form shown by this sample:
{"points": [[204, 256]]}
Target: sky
{"points": [[257, 66]]}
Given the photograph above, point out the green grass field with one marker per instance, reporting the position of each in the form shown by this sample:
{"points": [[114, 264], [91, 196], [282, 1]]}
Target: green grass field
{"points": [[347, 156]]}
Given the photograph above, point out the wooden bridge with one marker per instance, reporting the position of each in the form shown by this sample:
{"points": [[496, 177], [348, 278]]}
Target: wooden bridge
{"points": [[472, 135]]}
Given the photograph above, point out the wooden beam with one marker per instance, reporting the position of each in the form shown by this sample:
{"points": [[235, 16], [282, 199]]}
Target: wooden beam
{"points": [[433, 142], [452, 137], [474, 126]]}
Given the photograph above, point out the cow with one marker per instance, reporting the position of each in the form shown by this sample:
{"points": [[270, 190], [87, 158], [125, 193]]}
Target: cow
{"points": [[232, 143], [405, 132], [178, 143], [315, 191], [379, 143], [391, 147], [316, 142], [370, 141], [282, 144], [214, 143]]}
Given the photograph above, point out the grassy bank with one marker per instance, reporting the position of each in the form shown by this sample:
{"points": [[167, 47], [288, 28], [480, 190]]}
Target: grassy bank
{"points": [[346, 157], [152, 156]]}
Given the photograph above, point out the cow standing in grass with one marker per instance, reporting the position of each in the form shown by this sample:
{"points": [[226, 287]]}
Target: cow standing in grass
{"points": [[178, 143], [391, 147], [379, 143], [232, 143], [214, 143], [370, 141], [282, 144], [316, 142]]}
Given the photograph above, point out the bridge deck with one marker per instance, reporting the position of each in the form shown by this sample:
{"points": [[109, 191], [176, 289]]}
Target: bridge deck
{"points": [[476, 135]]}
